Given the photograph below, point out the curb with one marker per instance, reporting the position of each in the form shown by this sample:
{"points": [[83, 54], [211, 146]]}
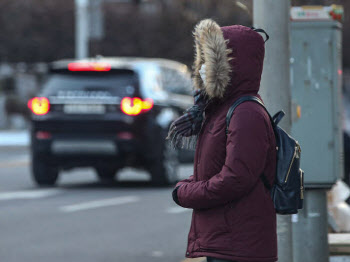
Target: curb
{"points": [[199, 259]]}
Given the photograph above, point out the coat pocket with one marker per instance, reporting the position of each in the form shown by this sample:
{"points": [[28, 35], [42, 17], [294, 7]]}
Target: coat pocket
{"points": [[212, 220], [213, 228]]}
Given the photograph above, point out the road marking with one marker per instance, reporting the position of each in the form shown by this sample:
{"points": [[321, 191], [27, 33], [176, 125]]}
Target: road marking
{"points": [[199, 259], [157, 253], [14, 164], [14, 138], [29, 194], [21, 161], [177, 210], [99, 203]]}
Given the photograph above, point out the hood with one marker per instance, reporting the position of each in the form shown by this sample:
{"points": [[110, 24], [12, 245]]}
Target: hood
{"points": [[233, 56]]}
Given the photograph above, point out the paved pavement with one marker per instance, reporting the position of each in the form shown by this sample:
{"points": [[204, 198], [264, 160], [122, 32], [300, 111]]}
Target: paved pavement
{"points": [[84, 220]]}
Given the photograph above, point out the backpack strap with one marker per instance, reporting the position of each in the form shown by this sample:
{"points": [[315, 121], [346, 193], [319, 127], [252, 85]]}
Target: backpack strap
{"points": [[255, 99], [237, 103], [278, 117]]}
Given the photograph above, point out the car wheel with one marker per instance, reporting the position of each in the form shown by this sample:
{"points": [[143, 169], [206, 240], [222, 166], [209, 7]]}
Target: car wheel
{"points": [[164, 170], [42, 173], [106, 174]]}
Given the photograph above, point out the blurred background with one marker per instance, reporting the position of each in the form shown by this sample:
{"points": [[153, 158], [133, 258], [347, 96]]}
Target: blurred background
{"points": [[83, 174], [36, 32]]}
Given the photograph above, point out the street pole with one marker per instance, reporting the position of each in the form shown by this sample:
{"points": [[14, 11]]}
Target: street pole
{"points": [[312, 221], [273, 17], [81, 28]]}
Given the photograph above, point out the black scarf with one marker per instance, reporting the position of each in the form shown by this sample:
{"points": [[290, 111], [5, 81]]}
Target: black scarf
{"points": [[184, 131]]}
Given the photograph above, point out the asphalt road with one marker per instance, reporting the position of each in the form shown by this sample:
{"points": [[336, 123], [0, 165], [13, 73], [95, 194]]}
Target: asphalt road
{"points": [[84, 220]]}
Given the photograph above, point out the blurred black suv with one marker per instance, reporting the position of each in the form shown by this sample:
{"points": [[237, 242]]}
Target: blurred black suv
{"points": [[108, 113]]}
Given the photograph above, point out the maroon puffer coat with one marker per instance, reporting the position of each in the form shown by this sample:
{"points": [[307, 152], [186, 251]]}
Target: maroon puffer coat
{"points": [[233, 214]]}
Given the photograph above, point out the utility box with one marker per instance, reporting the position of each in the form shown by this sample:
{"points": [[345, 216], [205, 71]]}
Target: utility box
{"points": [[316, 73]]}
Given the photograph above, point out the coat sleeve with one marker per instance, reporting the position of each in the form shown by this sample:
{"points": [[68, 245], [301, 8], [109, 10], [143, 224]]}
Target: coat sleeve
{"points": [[187, 180], [174, 193], [246, 152]]}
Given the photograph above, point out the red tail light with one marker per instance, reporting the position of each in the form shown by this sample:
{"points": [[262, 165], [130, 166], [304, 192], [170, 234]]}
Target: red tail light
{"points": [[125, 135], [39, 105], [134, 106], [89, 66], [43, 135]]}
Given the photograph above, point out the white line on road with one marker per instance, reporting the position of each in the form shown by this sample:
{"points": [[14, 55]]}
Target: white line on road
{"points": [[157, 253], [177, 210], [20, 161], [99, 203], [29, 194]]}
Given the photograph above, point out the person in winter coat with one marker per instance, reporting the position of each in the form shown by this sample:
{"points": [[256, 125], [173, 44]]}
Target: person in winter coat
{"points": [[233, 214]]}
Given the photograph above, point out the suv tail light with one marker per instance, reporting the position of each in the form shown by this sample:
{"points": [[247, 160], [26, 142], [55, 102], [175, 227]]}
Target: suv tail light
{"points": [[89, 66], [43, 135], [39, 105], [134, 106]]}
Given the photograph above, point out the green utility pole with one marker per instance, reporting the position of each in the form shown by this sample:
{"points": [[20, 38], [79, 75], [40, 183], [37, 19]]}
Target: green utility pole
{"points": [[81, 28], [89, 23], [273, 17]]}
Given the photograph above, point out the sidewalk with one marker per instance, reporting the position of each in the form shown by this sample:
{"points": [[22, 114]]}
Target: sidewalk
{"points": [[339, 247], [11, 138], [331, 259]]}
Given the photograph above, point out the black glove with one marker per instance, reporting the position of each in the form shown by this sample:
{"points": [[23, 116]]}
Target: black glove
{"points": [[175, 198]]}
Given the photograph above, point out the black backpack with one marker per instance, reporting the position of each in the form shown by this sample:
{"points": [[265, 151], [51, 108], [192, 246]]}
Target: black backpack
{"points": [[287, 192]]}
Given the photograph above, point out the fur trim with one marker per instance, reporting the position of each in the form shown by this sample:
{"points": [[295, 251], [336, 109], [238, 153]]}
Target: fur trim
{"points": [[211, 49]]}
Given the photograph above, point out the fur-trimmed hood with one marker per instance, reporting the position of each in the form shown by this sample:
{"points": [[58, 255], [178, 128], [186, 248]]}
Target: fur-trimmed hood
{"points": [[233, 56]]}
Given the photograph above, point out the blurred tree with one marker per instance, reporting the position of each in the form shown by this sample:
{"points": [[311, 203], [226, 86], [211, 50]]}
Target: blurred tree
{"points": [[43, 30], [36, 30], [162, 28]]}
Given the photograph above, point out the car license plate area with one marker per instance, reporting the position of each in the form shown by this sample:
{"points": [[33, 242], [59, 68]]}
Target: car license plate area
{"points": [[84, 147], [84, 109]]}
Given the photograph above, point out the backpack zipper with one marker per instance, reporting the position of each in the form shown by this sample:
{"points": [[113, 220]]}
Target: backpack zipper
{"points": [[297, 148], [302, 185]]}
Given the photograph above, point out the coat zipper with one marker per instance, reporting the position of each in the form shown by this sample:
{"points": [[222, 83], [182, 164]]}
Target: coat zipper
{"points": [[200, 132], [198, 161], [297, 148]]}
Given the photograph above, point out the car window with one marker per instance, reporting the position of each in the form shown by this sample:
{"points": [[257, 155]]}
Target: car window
{"points": [[120, 84], [176, 82]]}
